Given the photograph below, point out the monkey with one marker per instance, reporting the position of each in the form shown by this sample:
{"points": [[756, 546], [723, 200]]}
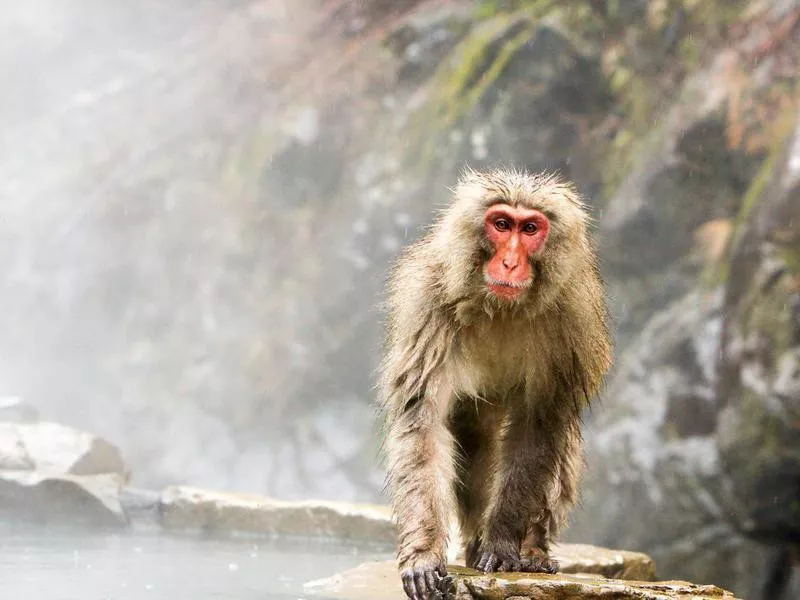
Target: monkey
{"points": [[497, 337]]}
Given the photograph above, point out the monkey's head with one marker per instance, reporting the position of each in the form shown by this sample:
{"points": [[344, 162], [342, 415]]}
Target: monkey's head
{"points": [[515, 237]]}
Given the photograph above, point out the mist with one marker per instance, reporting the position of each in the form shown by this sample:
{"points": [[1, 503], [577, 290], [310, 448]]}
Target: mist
{"points": [[148, 291]]}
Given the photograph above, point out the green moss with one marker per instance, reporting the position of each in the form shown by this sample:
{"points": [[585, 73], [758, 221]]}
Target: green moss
{"points": [[759, 434], [756, 190], [460, 83], [495, 69], [488, 9], [718, 274], [752, 197], [645, 77], [690, 51], [641, 75], [640, 99], [715, 14], [791, 258], [765, 310]]}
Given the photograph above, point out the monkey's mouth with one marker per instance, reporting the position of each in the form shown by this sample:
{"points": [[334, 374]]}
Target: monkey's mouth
{"points": [[508, 290]]}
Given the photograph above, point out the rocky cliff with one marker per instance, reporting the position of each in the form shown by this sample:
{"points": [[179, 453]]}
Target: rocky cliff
{"points": [[679, 121]]}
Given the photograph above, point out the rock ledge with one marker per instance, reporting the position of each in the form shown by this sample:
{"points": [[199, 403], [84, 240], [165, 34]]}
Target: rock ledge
{"points": [[183, 507], [380, 581]]}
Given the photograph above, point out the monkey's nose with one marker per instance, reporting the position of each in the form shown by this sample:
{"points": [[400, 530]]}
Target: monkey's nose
{"points": [[510, 262]]}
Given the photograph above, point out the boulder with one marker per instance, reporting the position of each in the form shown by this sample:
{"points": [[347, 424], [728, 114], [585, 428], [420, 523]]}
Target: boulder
{"points": [[54, 448], [91, 500], [195, 509], [380, 581]]}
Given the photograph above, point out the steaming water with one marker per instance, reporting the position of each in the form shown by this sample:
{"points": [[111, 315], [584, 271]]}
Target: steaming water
{"points": [[47, 564]]}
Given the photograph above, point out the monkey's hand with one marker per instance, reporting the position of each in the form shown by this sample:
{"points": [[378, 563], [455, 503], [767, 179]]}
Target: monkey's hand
{"points": [[423, 577]]}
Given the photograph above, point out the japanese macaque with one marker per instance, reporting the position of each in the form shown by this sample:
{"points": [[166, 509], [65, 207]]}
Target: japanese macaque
{"points": [[497, 339]]}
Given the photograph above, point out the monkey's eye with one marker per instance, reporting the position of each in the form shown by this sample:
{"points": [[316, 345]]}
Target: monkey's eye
{"points": [[502, 225], [530, 228]]}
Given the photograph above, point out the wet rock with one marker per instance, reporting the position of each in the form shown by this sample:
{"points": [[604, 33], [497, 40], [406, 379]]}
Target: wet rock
{"points": [[465, 585], [191, 508], [697, 440], [380, 581], [647, 231], [573, 559], [91, 500], [654, 483], [759, 432], [484, 111], [585, 558], [423, 41], [50, 447]]}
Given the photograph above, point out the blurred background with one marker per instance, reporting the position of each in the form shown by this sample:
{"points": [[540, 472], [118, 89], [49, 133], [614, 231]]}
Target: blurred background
{"points": [[199, 201]]}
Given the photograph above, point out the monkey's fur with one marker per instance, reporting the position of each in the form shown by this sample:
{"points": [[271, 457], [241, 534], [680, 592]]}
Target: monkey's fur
{"points": [[482, 397]]}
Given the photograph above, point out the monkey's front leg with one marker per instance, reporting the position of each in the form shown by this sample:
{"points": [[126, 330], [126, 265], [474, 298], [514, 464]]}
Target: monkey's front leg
{"points": [[421, 469], [528, 468]]}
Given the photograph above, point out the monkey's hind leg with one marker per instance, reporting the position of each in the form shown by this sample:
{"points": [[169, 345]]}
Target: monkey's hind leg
{"points": [[516, 495], [472, 424], [527, 502], [535, 551], [563, 496]]}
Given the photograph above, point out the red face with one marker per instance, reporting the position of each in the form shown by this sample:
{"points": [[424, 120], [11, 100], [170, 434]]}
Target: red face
{"points": [[517, 235]]}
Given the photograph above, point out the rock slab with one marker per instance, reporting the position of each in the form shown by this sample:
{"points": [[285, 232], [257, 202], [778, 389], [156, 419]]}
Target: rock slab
{"points": [[380, 581], [585, 558], [466, 585], [33, 496], [184, 507]]}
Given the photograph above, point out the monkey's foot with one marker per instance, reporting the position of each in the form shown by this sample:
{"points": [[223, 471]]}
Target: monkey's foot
{"points": [[423, 581], [539, 562], [490, 560]]}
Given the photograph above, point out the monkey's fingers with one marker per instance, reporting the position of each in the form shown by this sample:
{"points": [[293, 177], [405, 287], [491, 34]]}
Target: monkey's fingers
{"points": [[510, 566], [408, 585], [432, 581], [540, 564], [488, 562], [423, 583], [420, 585]]}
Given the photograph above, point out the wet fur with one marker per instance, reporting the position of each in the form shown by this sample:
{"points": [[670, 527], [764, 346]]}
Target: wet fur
{"points": [[482, 398]]}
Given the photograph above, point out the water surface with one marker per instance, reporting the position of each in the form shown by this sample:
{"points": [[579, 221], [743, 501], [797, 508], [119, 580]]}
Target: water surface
{"points": [[54, 564]]}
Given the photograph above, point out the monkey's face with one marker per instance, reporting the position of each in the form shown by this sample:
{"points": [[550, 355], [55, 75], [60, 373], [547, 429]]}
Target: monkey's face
{"points": [[517, 235]]}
